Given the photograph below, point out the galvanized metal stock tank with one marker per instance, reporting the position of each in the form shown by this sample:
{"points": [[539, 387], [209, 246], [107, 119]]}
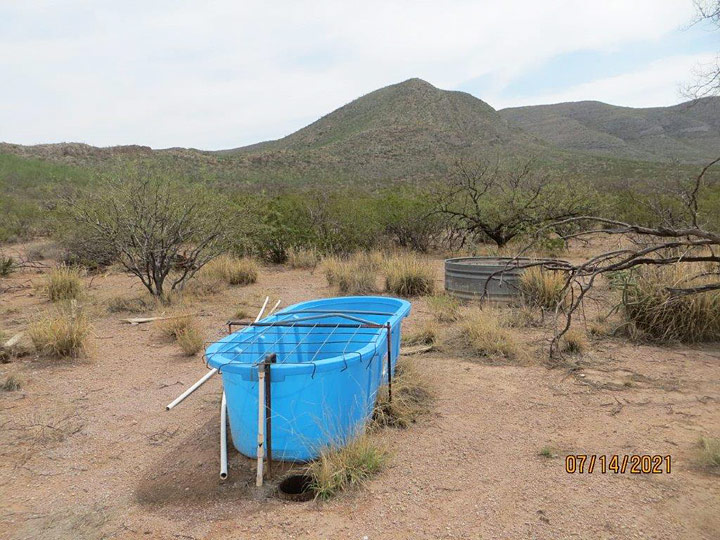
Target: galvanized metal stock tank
{"points": [[465, 277]]}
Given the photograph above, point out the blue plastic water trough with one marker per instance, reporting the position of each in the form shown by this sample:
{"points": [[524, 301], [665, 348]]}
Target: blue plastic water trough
{"points": [[331, 358]]}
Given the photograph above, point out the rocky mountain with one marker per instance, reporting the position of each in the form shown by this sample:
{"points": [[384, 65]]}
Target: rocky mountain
{"points": [[689, 132]]}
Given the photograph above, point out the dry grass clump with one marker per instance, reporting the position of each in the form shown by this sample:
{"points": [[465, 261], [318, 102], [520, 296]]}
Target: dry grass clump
{"points": [[171, 327], [412, 397], [64, 283], [11, 383], [61, 335], [186, 331], [574, 342], [445, 308], [131, 304], [486, 333], [340, 468], [201, 285], [191, 340], [305, 258], [409, 275], [7, 265], [427, 334], [709, 453], [232, 270], [657, 314], [542, 288], [523, 317], [355, 275]]}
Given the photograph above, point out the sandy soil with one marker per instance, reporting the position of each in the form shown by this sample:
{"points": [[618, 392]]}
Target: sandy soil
{"points": [[88, 451]]}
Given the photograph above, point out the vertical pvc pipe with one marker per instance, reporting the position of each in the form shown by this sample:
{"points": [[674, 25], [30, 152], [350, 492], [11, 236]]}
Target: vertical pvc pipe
{"points": [[261, 425], [269, 360], [223, 438], [389, 363]]}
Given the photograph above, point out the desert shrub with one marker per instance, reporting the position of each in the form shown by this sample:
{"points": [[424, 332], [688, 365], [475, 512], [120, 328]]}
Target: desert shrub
{"points": [[523, 317], [407, 217], [342, 467], [445, 308], [200, 286], [425, 335], [190, 340], [82, 246], [7, 265], [411, 397], [176, 325], [542, 288], [574, 342], [11, 383], [656, 313], [131, 304], [63, 334], [158, 225], [354, 275], [709, 453], [485, 333], [331, 268], [305, 258], [231, 270], [353, 280], [409, 275], [64, 283]]}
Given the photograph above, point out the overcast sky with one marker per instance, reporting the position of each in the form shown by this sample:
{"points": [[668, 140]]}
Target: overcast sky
{"points": [[222, 74]]}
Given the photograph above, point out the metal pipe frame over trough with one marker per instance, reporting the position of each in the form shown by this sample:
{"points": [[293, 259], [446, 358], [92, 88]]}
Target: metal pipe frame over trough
{"points": [[488, 278]]}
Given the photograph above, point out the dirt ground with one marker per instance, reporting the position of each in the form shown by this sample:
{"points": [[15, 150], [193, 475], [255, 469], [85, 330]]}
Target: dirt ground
{"points": [[88, 450]]}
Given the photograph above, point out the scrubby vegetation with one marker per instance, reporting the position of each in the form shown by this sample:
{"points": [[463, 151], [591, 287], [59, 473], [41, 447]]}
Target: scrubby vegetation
{"points": [[11, 383], [653, 311], [357, 274], [64, 283], [485, 333], [305, 258], [185, 331], [62, 334], [231, 270], [542, 288], [411, 397], [574, 342], [409, 275], [709, 453], [427, 334], [342, 467], [190, 340], [7, 265], [131, 304], [444, 307]]}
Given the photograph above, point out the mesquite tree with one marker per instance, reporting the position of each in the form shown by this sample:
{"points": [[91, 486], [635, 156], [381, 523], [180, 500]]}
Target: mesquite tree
{"points": [[163, 232], [484, 200], [686, 233]]}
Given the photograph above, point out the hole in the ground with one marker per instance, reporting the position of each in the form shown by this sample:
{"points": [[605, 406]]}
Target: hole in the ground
{"points": [[296, 487]]}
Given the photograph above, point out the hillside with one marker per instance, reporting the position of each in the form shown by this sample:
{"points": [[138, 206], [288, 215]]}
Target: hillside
{"points": [[689, 132], [413, 131], [409, 129]]}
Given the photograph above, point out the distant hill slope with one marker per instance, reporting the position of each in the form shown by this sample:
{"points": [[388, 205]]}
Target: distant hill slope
{"points": [[404, 130], [412, 131], [689, 132]]}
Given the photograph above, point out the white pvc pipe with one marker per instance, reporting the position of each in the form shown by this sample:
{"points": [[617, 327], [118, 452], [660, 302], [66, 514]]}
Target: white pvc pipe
{"points": [[262, 309], [275, 307], [210, 373], [261, 425], [194, 387], [223, 438]]}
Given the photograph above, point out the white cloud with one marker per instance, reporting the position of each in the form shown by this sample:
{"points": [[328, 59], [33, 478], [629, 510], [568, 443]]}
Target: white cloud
{"points": [[225, 73], [656, 85]]}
